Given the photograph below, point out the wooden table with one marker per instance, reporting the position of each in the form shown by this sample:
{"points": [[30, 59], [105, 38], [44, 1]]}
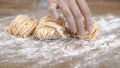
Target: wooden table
{"points": [[14, 7]]}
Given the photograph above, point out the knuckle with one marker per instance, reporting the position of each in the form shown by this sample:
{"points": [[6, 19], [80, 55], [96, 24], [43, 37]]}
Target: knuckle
{"points": [[78, 17], [63, 6], [52, 6]]}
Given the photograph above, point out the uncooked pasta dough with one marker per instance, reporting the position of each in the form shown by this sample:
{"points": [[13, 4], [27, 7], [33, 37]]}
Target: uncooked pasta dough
{"points": [[50, 28], [91, 35], [22, 26]]}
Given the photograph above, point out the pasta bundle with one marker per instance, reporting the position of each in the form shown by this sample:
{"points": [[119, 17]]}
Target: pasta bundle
{"points": [[22, 26], [89, 35], [49, 28]]}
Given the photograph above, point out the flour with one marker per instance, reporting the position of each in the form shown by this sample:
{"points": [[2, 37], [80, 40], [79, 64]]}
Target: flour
{"points": [[69, 53]]}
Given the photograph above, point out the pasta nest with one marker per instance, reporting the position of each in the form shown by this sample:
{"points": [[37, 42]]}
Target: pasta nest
{"points": [[89, 35], [22, 26], [49, 28]]}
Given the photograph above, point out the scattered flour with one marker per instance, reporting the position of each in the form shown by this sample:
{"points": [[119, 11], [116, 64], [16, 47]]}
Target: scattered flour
{"points": [[64, 53]]}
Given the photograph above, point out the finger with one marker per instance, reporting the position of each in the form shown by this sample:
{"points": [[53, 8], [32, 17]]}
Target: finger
{"points": [[53, 10], [78, 16], [68, 15], [86, 13]]}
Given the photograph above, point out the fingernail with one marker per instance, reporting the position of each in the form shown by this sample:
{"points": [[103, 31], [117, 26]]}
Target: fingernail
{"points": [[74, 30]]}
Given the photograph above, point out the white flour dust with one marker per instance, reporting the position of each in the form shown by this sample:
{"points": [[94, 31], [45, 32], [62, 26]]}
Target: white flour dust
{"points": [[104, 52]]}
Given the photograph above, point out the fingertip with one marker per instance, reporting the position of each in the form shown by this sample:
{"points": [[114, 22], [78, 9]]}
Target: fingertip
{"points": [[55, 16], [74, 30]]}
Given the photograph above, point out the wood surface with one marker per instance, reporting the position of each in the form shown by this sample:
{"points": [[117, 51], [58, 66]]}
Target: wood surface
{"points": [[98, 7]]}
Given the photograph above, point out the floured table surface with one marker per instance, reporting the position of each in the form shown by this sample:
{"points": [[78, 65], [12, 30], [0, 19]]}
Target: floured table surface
{"points": [[104, 52]]}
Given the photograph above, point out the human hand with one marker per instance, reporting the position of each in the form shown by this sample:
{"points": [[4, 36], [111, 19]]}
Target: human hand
{"points": [[74, 11]]}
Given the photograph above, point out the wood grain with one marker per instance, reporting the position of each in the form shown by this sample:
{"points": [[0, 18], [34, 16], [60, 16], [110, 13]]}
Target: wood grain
{"points": [[98, 7]]}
